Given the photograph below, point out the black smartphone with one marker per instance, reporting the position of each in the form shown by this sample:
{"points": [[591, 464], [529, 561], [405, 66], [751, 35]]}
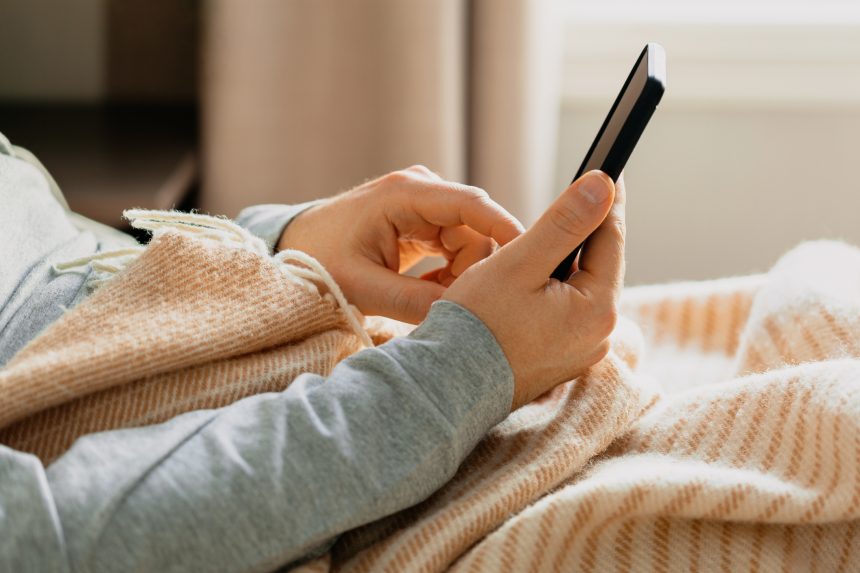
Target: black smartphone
{"points": [[623, 126]]}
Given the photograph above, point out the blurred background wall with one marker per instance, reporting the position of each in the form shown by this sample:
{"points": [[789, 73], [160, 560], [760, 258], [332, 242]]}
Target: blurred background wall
{"points": [[104, 92], [755, 145], [750, 152], [52, 51], [93, 51], [306, 98]]}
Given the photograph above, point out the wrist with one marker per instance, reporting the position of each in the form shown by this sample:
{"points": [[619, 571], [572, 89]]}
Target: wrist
{"points": [[296, 232]]}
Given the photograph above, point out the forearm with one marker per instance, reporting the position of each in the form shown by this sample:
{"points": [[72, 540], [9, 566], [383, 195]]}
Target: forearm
{"points": [[264, 481]]}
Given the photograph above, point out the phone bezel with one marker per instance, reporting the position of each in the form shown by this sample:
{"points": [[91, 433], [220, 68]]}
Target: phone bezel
{"points": [[631, 130], [647, 100]]}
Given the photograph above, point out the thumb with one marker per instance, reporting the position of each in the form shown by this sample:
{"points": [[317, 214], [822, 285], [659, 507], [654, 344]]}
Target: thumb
{"points": [[571, 218], [396, 296]]}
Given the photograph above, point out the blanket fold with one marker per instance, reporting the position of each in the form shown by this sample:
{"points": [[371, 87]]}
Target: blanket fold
{"points": [[728, 441], [199, 319], [722, 432]]}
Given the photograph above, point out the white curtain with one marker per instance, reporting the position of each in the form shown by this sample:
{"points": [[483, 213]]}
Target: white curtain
{"points": [[304, 98]]}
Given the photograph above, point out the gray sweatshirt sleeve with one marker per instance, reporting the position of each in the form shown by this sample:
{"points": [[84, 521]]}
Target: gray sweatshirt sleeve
{"points": [[269, 221], [267, 480]]}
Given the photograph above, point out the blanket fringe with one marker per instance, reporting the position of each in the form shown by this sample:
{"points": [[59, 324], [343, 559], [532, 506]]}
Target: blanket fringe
{"points": [[297, 266]]}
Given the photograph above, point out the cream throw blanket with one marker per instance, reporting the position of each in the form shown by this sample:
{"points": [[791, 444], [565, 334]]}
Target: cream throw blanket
{"points": [[722, 433]]}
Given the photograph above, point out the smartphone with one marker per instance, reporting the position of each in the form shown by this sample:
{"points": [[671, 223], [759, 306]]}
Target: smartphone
{"points": [[623, 126]]}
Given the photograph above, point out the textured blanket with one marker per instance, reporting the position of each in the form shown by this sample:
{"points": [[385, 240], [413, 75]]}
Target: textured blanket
{"points": [[200, 318], [722, 433]]}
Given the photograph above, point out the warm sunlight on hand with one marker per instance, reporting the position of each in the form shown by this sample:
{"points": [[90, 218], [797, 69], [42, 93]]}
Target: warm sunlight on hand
{"points": [[367, 236]]}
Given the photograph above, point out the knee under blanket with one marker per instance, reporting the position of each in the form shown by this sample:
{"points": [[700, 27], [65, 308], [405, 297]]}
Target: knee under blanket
{"points": [[722, 432]]}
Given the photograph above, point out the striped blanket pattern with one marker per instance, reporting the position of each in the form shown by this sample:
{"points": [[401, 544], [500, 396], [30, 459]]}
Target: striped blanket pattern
{"points": [[199, 319], [722, 432]]}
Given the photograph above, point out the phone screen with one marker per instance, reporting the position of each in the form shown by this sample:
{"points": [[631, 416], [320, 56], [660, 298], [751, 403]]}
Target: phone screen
{"points": [[608, 134], [623, 126]]}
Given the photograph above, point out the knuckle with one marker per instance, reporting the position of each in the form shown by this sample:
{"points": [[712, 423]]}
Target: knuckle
{"points": [[620, 230], [487, 247], [477, 194], [566, 219], [411, 302], [601, 351], [605, 320], [397, 177], [402, 300], [420, 168]]}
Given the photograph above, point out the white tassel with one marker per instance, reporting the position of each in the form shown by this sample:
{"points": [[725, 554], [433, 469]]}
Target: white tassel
{"points": [[317, 272], [220, 230]]}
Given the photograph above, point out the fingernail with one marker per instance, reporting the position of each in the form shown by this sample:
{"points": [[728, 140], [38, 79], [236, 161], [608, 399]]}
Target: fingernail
{"points": [[594, 188]]}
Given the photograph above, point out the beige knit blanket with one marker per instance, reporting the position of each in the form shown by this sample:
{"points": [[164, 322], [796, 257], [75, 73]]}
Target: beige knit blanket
{"points": [[722, 433]]}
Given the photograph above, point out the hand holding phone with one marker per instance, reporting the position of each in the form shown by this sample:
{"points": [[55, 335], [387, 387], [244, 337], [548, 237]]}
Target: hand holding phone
{"points": [[551, 332], [623, 126]]}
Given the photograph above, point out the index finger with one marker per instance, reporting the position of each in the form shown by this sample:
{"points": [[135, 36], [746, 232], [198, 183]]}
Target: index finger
{"points": [[602, 258], [447, 204]]}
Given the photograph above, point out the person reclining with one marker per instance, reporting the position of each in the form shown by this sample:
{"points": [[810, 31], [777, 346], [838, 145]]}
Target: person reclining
{"points": [[275, 478]]}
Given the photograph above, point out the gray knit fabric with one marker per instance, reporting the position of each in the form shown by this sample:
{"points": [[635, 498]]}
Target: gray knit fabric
{"points": [[250, 487]]}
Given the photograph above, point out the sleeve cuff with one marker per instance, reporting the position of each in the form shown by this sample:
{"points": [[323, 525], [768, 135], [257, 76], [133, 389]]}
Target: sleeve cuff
{"points": [[464, 372], [269, 221]]}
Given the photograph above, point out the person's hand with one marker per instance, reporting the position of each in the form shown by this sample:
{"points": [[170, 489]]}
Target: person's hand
{"points": [[552, 331], [367, 236]]}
